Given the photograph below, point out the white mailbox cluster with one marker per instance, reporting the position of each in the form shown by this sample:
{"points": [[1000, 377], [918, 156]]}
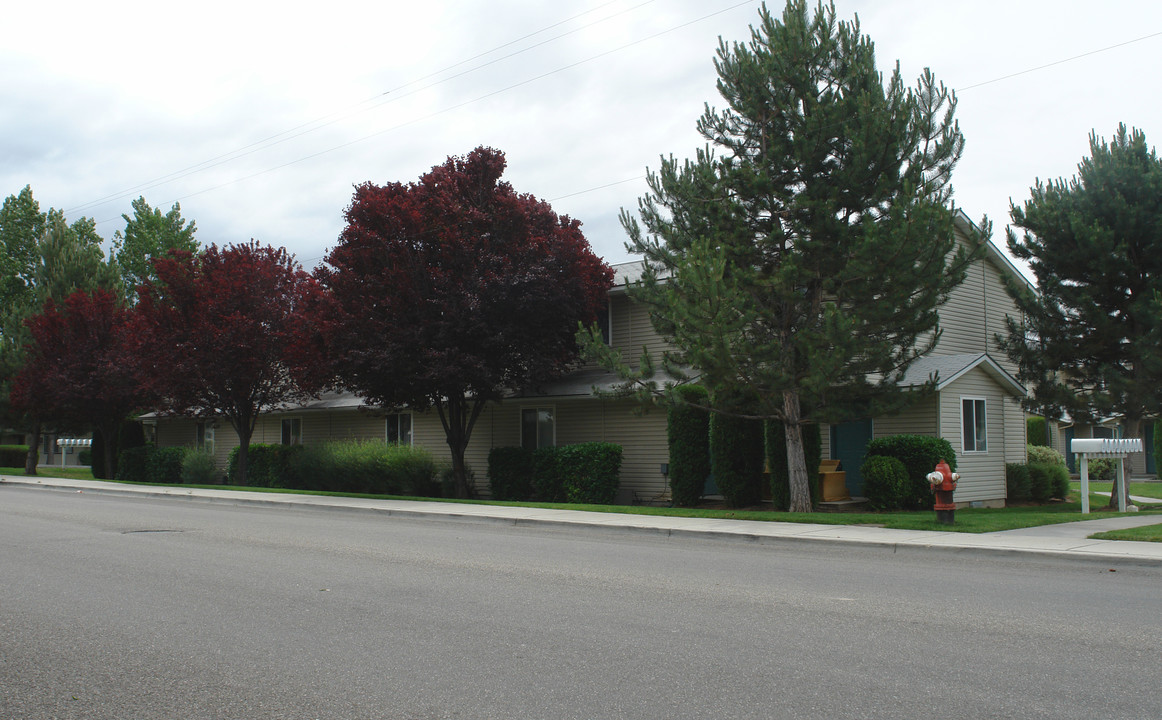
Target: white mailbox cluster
{"points": [[1095, 448], [72, 442]]}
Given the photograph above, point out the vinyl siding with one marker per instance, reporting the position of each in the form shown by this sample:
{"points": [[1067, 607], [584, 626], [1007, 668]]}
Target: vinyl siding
{"points": [[919, 419], [975, 313], [982, 474]]}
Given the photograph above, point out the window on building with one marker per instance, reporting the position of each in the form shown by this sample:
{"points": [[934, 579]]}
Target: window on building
{"points": [[205, 437], [605, 323], [399, 428], [292, 431], [47, 449], [972, 424], [537, 429]]}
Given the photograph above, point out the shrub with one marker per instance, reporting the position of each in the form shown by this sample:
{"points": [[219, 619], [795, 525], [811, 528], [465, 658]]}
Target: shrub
{"points": [[736, 456], [1103, 469], [688, 437], [13, 455], [1047, 481], [1037, 431], [198, 469], [1047, 455], [919, 453], [84, 457], [165, 465], [776, 447], [1017, 487], [548, 476], [510, 473], [591, 472], [133, 464], [885, 482], [369, 467]]}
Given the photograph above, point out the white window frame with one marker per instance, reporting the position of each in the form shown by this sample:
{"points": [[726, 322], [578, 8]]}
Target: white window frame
{"points": [[411, 434], [552, 409], [204, 436], [981, 443], [282, 431]]}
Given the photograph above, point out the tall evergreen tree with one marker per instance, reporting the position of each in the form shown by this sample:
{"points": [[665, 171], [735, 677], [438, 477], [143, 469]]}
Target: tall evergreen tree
{"points": [[796, 264], [21, 225], [1088, 344]]}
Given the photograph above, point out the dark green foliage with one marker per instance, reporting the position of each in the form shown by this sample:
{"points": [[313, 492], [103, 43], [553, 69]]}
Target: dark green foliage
{"points": [[198, 469], [1059, 482], [807, 248], [165, 464], [98, 452], [592, 472], [1017, 482], [1158, 445], [688, 435], [13, 455], [920, 454], [1086, 340], [84, 457], [548, 475], [1037, 431], [266, 465], [1103, 469], [813, 455], [776, 446], [1041, 481], [885, 482], [736, 456], [133, 464], [581, 473], [510, 473]]}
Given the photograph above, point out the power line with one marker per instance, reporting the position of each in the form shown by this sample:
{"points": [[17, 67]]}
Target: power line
{"points": [[1059, 62], [361, 107]]}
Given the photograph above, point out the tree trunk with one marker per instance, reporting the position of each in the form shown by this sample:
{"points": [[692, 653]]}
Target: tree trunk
{"points": [[798, 479], [458, 416], [33, 456], [1133, 430], [109, 435]]}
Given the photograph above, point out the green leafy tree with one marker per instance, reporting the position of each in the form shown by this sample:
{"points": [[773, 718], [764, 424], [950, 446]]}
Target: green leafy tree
{"points": [[796, 264], [149, 234], [66, 258], [1088, 343], [21, 225]]}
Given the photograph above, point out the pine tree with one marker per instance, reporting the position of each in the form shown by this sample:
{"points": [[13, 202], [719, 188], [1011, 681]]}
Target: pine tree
{"points": [[796, 264], [1089, 342]]}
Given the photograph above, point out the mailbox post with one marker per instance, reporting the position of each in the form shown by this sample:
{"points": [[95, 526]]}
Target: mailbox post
{"points": [[1094, 448]]}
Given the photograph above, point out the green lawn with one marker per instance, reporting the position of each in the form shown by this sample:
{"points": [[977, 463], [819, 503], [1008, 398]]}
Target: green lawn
{"points": [[1141, 489], [980, 520], [1146, 533], [73, 473]]}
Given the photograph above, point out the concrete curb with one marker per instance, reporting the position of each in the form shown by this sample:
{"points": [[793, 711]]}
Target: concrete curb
{"points": [[1067, 541]]}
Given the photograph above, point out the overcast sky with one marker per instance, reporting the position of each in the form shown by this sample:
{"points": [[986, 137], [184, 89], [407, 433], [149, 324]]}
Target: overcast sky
{"points": [[259, 119]]}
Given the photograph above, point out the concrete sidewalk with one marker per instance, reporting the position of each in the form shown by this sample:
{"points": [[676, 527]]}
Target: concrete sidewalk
{"points": [[1069, 540]]}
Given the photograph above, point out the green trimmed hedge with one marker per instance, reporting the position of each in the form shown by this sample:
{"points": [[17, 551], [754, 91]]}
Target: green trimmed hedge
{"points": [[1042, 454], [165, 464], [510, 473], [133, 464], [1048, 481], [13, 455], [919, 453], [1017, 482], [582, 473], [688, 438], [736, 456], [1037, 431], [885, 482]]}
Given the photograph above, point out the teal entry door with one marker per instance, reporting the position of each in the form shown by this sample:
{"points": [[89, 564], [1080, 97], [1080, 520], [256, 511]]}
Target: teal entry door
{"points": [[848, 446]]}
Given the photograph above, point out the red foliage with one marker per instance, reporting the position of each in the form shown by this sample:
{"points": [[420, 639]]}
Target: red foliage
{"points": [[219, 331], [79, 369], [457, 284], [449, 291]]}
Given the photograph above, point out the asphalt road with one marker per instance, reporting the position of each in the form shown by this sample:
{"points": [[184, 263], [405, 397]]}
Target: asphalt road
{"points": [[117, 607]]}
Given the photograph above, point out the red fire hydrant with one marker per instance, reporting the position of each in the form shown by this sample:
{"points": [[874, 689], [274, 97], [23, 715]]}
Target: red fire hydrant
{"points": [[943, 484]]}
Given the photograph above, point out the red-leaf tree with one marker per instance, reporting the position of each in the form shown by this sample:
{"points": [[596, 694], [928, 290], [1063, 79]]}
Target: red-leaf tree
{"points": [[217, 332], [79, 367], [449, 291]]}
